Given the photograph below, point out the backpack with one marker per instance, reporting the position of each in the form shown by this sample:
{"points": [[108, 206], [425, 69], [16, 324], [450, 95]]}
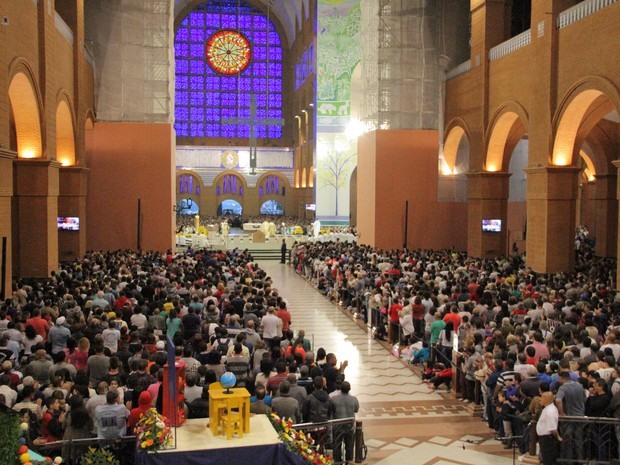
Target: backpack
{"points": [[222, 347]]}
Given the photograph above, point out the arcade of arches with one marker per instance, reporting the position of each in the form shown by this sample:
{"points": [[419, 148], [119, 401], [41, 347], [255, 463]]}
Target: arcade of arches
{"points": [[529, 135]]}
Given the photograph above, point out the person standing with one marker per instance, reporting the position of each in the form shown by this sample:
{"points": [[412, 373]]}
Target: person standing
{"points": [[283, 251], [570, 400], [547, 430], [111, 418], [345, 406]]}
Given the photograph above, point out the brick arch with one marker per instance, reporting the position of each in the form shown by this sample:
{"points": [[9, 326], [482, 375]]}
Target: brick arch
{"points": [[455, 130], [506, 128], [580, 110], [218, 179], [65, 130], [273, 173], [195, 197], [25, 102]]}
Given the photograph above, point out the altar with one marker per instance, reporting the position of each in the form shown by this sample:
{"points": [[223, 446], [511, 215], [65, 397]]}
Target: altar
{"points": [[252, 226], [196, 445]]}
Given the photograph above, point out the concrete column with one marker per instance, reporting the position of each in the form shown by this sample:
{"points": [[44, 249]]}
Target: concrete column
{"points": [[616, 163], [72, 202], [488, 199], [6, 197], [551, 196], [35, 231], [604, 214]]}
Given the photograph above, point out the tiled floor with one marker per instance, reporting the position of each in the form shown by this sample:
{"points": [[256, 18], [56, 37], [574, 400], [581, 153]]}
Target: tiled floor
{"points": [[404, 421]]}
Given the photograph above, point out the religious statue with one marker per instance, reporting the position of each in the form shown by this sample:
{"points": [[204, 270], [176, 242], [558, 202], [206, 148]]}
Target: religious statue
{"points": [[316, 228], [196, 223], [225, 228]]}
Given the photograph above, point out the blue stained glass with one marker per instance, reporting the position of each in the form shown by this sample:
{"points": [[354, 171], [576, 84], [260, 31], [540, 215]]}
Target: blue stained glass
{"points": [[181, 36], [197, 19], [260, 22], [260, 191], [180, 49], [196, 129], [196, 50], [181, 129], [229, 84], [275, 132], [181, 66], [197, 67], [212, 116], [181, 97], [260, 38], [213, 130], [213, 99], [229, 100], [203, 97], [213, 83], [196, 114], [182, 81], [274, 38], [228, 130], [196, 35], [275, 53], [275, 68], [229, 21], [260, 53], [197, 82], [275, 100]]}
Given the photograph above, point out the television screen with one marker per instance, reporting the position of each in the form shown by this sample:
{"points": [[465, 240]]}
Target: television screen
{"points": [[311, 206], [68, 223], [494, 225]]}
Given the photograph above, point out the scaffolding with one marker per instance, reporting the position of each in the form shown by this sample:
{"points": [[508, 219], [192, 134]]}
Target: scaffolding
{"points": [[400, 58], [131, 41]]}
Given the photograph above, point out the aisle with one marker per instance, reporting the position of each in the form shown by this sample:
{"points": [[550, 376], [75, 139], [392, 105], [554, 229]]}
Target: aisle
{"points": [[401, 415]]}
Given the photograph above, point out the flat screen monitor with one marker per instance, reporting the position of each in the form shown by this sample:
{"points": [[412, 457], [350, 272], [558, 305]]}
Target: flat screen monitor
{"points": [[493, 225], [311, 206], [68, 223]]}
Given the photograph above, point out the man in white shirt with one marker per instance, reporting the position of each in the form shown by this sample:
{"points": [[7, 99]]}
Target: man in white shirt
{"points": [[547, 430], [270, 323], [111, 336]]}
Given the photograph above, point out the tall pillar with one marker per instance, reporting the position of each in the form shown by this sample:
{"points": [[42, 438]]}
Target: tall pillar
{"points": [[604, 214], [35, 232], [551, 196], [6, 197], [616, 163], [488, 199], [72, 202]]}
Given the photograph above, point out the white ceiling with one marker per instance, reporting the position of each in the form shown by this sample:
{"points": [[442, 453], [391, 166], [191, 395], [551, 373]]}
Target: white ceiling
{"points": [[288, 12]]}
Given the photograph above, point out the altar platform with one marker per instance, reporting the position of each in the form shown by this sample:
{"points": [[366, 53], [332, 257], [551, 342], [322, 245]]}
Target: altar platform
{"points": [[196, 445]]}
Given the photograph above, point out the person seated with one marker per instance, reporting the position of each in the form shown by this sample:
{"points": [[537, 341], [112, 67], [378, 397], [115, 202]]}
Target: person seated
{"points": [[199, 408]]}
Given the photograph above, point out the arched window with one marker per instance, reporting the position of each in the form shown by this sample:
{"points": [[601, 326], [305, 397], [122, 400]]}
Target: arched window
{"points": [[225, 52]]}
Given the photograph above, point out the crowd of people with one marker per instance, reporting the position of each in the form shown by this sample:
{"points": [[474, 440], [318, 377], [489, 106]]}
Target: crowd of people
{"points": [[523, 337], [82, 353]]}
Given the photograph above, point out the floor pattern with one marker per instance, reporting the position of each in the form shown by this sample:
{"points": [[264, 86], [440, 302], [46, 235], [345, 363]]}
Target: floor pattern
{"points": [[404, 421]]}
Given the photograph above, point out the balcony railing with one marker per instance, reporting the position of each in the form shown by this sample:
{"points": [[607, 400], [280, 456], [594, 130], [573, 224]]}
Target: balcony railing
{"points": [[459, 69], [581, 10], [511, 45]]}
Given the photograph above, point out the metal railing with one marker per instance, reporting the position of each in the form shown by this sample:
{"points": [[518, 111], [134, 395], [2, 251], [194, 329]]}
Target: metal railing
{"points": [[580, 11], [588, 439], [459, 69], [511, 45], [341, 439], [123, 448]]}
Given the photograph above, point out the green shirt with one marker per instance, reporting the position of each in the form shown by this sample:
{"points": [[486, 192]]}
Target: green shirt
{"points": [[436, 327]]}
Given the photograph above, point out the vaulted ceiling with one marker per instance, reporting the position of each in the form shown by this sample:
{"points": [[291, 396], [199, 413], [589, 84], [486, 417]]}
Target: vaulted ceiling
{"points": [[288, 12]]}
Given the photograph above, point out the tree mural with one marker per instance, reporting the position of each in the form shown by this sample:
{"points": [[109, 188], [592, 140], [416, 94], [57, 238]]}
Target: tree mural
{"points": [[337, 163]]}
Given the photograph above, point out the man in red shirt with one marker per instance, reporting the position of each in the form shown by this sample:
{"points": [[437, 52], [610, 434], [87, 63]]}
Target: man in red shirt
{"points": [[394, 320], [40, 325], [454, 317], [284, 315]]}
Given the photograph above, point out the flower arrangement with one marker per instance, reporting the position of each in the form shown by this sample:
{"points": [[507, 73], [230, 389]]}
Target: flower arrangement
{"points": [[298, 442], [99, 457], [153, 432]]}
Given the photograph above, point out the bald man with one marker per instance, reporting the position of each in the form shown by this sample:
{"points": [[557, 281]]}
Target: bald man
{"points": [[547, 430]]}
